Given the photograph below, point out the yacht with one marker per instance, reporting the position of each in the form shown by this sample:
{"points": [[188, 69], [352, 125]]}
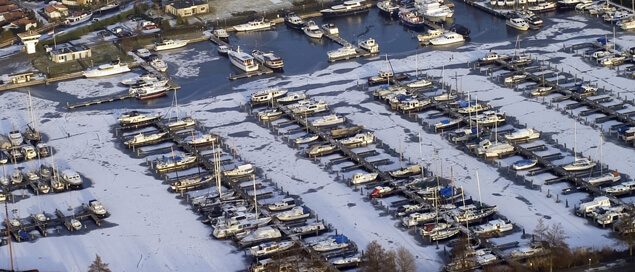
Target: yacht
{"points": [[223, 50], [15, 137], [415, 219], [388, 7], [72, 178], [173, 163], [331, 243], [579, 164], [240, 171], [445, 97], [77, 19], [282, 205], [294, 21], [435, 11], [236, 226], [150, 92], [515, 78], [419, 84], [139, 80], [411, 18], [269, 115], [430, 34], [268, 59], [542, 91], [307, 138], [314, 227], [406, 172], [135, 117], [270, 248], [313, 30], [142, 139], [143, 53], [181, 123], [242, 60], [489, 118], [136, 88], [203, 140], [267, 95], [97, 208], [346, 8], [543, 7], [169, 44], [627, 24], [191, 183], [311, 108], [359, 140], [360, 178], [518, 23], [369, 45], [345, 51], [448, 38], [611, 177], [494, 150], [329, 120], [330, 29], [321, 150], [159, 64], [567, 4], [113, 68], [292, 97], [524, 164], [296, 213], [258, 24], [447, 123]]}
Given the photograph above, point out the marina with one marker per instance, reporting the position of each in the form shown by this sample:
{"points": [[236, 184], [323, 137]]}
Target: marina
{"points": [[274, 162]]}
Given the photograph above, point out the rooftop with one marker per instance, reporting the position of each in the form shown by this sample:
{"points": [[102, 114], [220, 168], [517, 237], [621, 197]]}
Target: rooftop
{"points": [[68, 48], [179, 4]]}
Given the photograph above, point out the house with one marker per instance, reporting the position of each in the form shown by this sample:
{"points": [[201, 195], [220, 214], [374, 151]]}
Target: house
{"points": [[8, 8], [70, 52], [26, 22], [185, 8], [55, 11]]}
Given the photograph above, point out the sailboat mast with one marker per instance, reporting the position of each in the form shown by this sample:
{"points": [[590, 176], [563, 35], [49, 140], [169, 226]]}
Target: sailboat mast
{"points": [[34, 129], [478, 183], [601, 155], [6, 211], [575, 140], [255, 196]]}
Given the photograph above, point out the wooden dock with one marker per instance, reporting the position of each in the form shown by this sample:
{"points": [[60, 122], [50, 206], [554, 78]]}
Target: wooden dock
{"points": [[262, 70]]}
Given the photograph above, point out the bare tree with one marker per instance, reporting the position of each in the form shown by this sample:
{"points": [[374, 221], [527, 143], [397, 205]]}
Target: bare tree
{"points": [[462, 255], [98, 266], [553, 239], [376, 258], [626, 230], [405, 260], [540, 230]]}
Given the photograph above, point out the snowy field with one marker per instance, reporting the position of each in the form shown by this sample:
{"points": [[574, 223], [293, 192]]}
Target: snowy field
{"points": [[151, 230]]}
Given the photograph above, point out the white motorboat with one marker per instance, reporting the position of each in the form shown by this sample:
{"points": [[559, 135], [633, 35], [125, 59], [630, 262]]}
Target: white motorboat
{"points": [[369, 45], [526, 252], [448, 38], [268, 59], [28, 152], [234, 226], [76, 224], [311, 108], [72, 178], [430, 34], [321, 150], [360, 178], [345, 51], [475, 108], [77, 19], [173, 163], [311, 228], [294, 21], [579, 164], [147, 78], [181, 123], [270, 248], [434, 10], [97, 208], [331, 243], [543, 7], [260, 235], [515, 78], [258, 24], [242, 60], [447, 123], [416, 218], [627, 24], [495, 226], [381, 191], [207, 139], [489, 118], [270, 114], [113, 68], [388, 7], [169, 44], [313, 30], [159, 64], [151, 91], [153, 84], [240, 171], [525, 134], [611, 177], [491, 58], [517, 23], [432, 228], [470, 213], [542, 91], [15, 137], [186, 184], [613, 61], [223, 49], [330, 29], [412, 105], [444, 233], [359, 140], [292, 97], [295, 213], [267, 95], [419, 84], [494, 150], [307, 138], [346, 8], [282, 205], [329, 120], [406, 172], [449, 96], [621, 189], [524, 164]]}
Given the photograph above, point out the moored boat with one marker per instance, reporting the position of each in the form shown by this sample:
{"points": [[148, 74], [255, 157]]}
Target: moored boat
{"points": [[360, 178], [345, 51], [369, 45], [242, 60], [258, 24], [448, 38], [296, 213], [113, 68], [346, 8], [524, 164], [294, 21], [313, 30], [169, 44], [268, 59], [240, 171]]}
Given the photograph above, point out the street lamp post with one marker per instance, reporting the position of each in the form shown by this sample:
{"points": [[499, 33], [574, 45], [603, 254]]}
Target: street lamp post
{"points": [[589, 263]]}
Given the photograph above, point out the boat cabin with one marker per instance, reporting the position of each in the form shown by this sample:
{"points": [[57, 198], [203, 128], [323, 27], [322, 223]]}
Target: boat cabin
{"points": [[21, 78]]}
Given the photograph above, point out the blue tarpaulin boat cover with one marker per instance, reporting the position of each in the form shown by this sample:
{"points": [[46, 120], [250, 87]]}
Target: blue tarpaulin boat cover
{"points": [[465, 104], [23, 235], [340, 239], [603, 41], [447, 192]]}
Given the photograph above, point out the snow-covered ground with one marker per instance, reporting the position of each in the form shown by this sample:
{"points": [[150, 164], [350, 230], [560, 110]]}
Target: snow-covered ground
{"points": [[152, 230]]}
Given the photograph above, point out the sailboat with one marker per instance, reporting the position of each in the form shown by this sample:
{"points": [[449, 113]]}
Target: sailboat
{"points": [[419, 83], [578, 164], [384, 76], [182, 123], [610, 177], [31, 132], [496, 149]]}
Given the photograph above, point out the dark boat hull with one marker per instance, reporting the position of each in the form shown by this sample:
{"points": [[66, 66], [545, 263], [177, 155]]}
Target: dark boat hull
{"points": [[330, 14]]}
